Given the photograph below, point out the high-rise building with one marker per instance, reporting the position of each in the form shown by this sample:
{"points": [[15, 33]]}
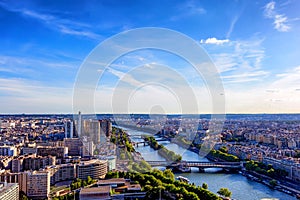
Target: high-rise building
{"points": [[38, 184], [106, 127], [9, 191], [91, 128], [79, 124], [69, 129]]}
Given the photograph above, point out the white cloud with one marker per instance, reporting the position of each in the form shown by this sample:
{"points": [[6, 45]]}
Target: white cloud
{"points": [[280, 20], [214, 41], [280, 23]]}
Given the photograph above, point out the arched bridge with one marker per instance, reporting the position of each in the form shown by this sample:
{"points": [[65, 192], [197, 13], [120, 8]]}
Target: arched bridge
{"points": [[199, 164]]}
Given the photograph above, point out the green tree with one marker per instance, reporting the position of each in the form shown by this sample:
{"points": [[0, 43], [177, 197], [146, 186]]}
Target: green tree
{"points": [[96, 151], [273, 183], [224, 149], [205, 186], [122, 156], [224, 192], [89, 180], [22, 196], [169, 174]]}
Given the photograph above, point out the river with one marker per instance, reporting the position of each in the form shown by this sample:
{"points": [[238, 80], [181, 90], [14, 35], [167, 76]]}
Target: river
{"points": [[241, 187]]}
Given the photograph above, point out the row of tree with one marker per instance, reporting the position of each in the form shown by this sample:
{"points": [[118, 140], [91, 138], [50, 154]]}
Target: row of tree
{"points": [[163, 185], [120, 137], [162, 150], [264, 169], [78, 183], [69, 196], [223, 156]]}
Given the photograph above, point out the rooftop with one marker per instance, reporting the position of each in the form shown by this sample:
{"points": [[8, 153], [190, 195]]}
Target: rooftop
{"points": [[112, 181], [95, 190]]}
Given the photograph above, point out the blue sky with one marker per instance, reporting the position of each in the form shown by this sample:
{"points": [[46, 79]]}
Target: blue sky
{"points": [[253, 44]]}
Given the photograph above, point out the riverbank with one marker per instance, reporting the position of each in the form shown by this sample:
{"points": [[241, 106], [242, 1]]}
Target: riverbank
{"points": [[134, 127], [164, 152], [241, 187], [282, 186]]}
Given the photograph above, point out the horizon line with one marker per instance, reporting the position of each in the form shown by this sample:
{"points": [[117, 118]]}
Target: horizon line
{"points": [[150, 114]]}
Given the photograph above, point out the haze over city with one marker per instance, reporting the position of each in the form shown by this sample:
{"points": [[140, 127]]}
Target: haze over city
{"points": [[254, 46]]}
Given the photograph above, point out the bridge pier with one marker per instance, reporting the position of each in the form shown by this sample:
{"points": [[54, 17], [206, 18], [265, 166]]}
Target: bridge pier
{"points": [[201, 170]]}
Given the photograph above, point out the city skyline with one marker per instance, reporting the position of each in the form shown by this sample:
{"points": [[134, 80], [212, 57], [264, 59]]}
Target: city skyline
{"points": [[252, 44]]}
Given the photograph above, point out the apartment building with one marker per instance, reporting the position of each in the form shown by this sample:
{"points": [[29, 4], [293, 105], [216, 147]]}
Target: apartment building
{"points": [[38, 184], [61, 172], [93, 168]]}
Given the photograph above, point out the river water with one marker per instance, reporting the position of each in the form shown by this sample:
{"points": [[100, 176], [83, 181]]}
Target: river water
{"points": [[241, 187]]}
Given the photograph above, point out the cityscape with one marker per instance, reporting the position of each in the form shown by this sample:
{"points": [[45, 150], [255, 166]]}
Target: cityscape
{"points": [[166, 100], [42, 156]]}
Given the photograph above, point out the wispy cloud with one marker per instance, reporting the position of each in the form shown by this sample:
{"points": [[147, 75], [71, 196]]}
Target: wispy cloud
{"points": [[16, 63], [193, 8], [232, 24], [125, 77], [238, 56], [245, 77], [214, 40], [65, 26], [27, 96], [269, 9], [188, 8], [280, 21], [290, 79]]}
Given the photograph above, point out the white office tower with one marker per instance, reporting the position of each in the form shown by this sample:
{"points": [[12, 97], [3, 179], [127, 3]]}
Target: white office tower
{"points": [[9, 191], [88, 147], [79, 124], [69, 129]]}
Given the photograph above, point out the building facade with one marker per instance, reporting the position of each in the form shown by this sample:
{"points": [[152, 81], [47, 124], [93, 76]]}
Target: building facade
{"points": [[9, 191], [58, 152], [74, 146], [61, 172], [93, 168], [8, 150], [38, 184]]}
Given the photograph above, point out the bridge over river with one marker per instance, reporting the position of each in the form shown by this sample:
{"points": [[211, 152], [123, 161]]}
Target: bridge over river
{"points": [[199, 164]]}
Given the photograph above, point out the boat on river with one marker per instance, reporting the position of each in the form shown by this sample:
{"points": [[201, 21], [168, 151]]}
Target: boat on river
{"points": [[183, 179]]}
